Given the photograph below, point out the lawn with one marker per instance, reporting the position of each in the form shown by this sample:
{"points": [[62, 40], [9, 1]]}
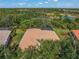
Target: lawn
{"points": [[62, 33], [18, 36]]}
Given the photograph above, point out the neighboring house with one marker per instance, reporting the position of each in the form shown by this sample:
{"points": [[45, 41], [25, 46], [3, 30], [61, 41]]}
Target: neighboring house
{"points": [[4, 37], [32, 36], [75, 34]]}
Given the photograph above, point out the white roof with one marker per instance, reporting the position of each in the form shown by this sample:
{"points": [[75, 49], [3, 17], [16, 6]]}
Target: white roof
{"points": [[4, 34]]}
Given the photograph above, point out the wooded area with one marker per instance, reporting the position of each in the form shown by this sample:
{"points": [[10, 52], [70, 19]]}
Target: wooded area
{"points": [[62, 21]]}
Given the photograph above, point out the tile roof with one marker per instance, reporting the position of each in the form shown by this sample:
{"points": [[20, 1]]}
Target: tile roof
{"points": [[76, 33], [4, 34], [32, 35]]}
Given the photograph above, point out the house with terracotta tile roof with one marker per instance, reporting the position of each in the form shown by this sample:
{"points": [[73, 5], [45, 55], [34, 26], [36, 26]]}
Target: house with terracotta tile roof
{"points": [[75, 34], [32, 36], [4, 37]]}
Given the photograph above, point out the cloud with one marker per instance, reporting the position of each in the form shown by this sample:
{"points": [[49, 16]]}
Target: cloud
{"points": [[21, 3], [46, 2], [55, 0], [43, 2], [40, 3]]}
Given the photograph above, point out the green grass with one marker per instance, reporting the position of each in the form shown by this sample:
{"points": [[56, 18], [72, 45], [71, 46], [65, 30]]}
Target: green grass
{"points": [[62, 33], [18, 36]]}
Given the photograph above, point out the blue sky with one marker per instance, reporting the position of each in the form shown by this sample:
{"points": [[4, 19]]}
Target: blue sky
{"points": [[39, 3]]}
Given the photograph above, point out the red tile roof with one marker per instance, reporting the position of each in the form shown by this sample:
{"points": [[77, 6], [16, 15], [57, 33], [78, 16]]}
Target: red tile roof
{"points": [[76, 33], [32, 35]]}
